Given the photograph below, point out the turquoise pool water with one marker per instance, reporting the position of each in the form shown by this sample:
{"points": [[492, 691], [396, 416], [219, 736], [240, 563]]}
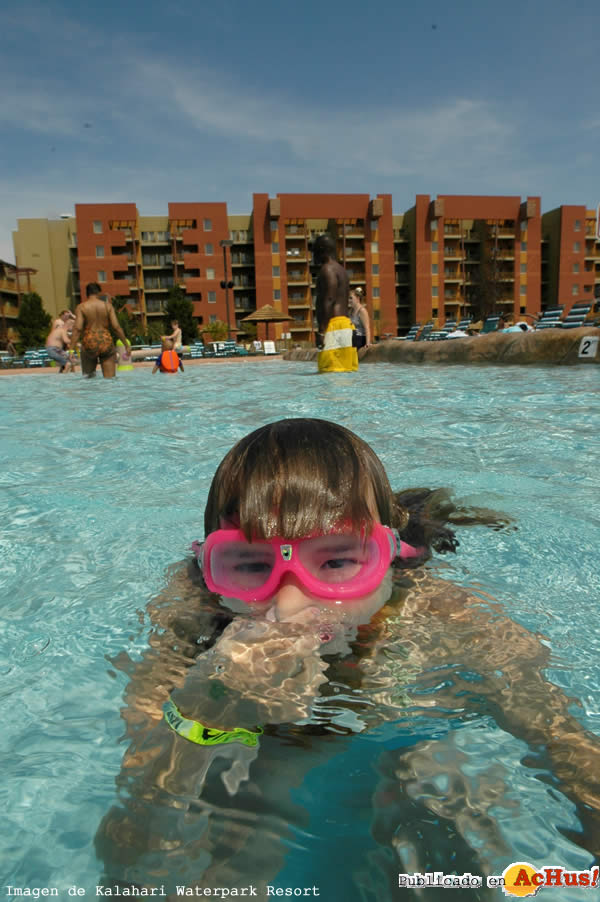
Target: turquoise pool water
{"points": [[103, 487]]}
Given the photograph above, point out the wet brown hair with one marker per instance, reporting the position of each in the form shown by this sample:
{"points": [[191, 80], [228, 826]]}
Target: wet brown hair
{"points": [[298, 476]]}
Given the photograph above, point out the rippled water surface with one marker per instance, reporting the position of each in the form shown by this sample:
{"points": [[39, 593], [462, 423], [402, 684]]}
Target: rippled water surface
{"points": [[103, 486]]}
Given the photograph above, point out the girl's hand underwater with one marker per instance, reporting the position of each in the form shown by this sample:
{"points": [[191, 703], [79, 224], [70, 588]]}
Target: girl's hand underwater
{"points": [[278, 664]]}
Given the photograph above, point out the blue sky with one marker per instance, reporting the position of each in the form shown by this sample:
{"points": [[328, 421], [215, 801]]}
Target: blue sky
{"points": [[154, 102]]}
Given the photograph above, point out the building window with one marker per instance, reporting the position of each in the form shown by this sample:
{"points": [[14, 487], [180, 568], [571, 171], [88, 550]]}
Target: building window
{"points": [[276, 271], [210, 273], [374, 247], [575, 290], [207, 224], [212, 297], [523, 289], [523, 267], [273, 225], [523, 245], [275, 247], [433, 225], [276, 294], [434, 268], [576, 267], [578, 225], [434, 246], [99, 250], [523, 225], [587, 288], [101, 276], [375, 269], [434, 291], [208, 250], [376, 292], [97, 227], [212, 318], [576, 247]]}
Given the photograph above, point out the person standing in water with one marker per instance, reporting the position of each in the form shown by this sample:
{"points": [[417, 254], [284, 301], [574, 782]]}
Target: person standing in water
{"points": [[95, 321], [58, 343], [360, 320], [335, 328]]}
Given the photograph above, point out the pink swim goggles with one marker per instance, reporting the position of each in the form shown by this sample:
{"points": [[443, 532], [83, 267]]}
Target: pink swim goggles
{"points": [[340, 566]]}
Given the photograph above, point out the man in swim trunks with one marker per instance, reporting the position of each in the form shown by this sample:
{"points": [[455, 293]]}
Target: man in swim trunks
{"points": [[335, 328], [58, 342], [95, 321]]}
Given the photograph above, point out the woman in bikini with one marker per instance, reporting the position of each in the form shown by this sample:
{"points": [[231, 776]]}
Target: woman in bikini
{"points": [[95, 322]]}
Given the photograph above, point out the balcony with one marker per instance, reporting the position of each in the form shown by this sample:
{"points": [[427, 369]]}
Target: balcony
{"points": [[156, 238], [242, 260], [301, 325], [295, 231], [155, 305], [298, 277], [152, 283], [161, 260]]}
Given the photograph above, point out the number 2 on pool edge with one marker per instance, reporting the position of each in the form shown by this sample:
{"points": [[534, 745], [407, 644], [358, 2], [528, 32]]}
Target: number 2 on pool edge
{"points": [[588, 347]]}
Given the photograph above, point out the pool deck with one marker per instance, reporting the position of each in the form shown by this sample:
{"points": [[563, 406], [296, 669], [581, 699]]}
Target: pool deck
{"points": [[546, 347], [139, 364]]}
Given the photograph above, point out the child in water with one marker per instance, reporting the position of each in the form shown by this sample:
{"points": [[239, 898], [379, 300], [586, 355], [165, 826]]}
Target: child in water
{"points": [[322, 625], [168, 361]]}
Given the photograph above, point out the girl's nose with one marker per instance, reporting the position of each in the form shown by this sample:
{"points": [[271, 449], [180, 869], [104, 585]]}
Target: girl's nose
{"points": [[291, 598]]}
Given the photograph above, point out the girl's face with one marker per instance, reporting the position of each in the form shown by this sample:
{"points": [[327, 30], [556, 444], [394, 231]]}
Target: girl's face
{"points": [[292, 601]]}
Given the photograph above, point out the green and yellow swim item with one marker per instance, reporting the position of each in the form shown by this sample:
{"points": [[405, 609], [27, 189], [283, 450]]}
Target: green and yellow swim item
{"points": [[194, 731]]}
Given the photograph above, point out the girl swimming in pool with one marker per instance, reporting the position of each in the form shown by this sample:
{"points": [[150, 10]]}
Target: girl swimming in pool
{"points": [[317, 627]]}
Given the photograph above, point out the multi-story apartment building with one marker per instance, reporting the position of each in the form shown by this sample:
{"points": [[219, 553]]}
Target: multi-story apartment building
{"points": [[14, 282], [570, 256], [445, 258]]}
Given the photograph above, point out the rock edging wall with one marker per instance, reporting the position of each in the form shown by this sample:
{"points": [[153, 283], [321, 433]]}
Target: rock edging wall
{"points": [[549, 346]]}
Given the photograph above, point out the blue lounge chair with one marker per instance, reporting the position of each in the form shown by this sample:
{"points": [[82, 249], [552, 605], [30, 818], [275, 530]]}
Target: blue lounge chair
{"points": [[411, 335], [442, 334], [425, 332], [550, 318], [490, 324], [197, 350], [38, 357], [576, 316]]}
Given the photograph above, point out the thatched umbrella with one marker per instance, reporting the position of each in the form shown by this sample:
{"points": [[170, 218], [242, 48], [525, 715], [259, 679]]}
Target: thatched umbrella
{"points": [[267, 314]]}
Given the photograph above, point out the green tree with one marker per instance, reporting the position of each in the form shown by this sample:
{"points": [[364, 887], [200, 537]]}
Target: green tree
{"points": [[179, 307], [33, 323], [217, 331], [123, 315], [249, 330], [155, 330]]}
